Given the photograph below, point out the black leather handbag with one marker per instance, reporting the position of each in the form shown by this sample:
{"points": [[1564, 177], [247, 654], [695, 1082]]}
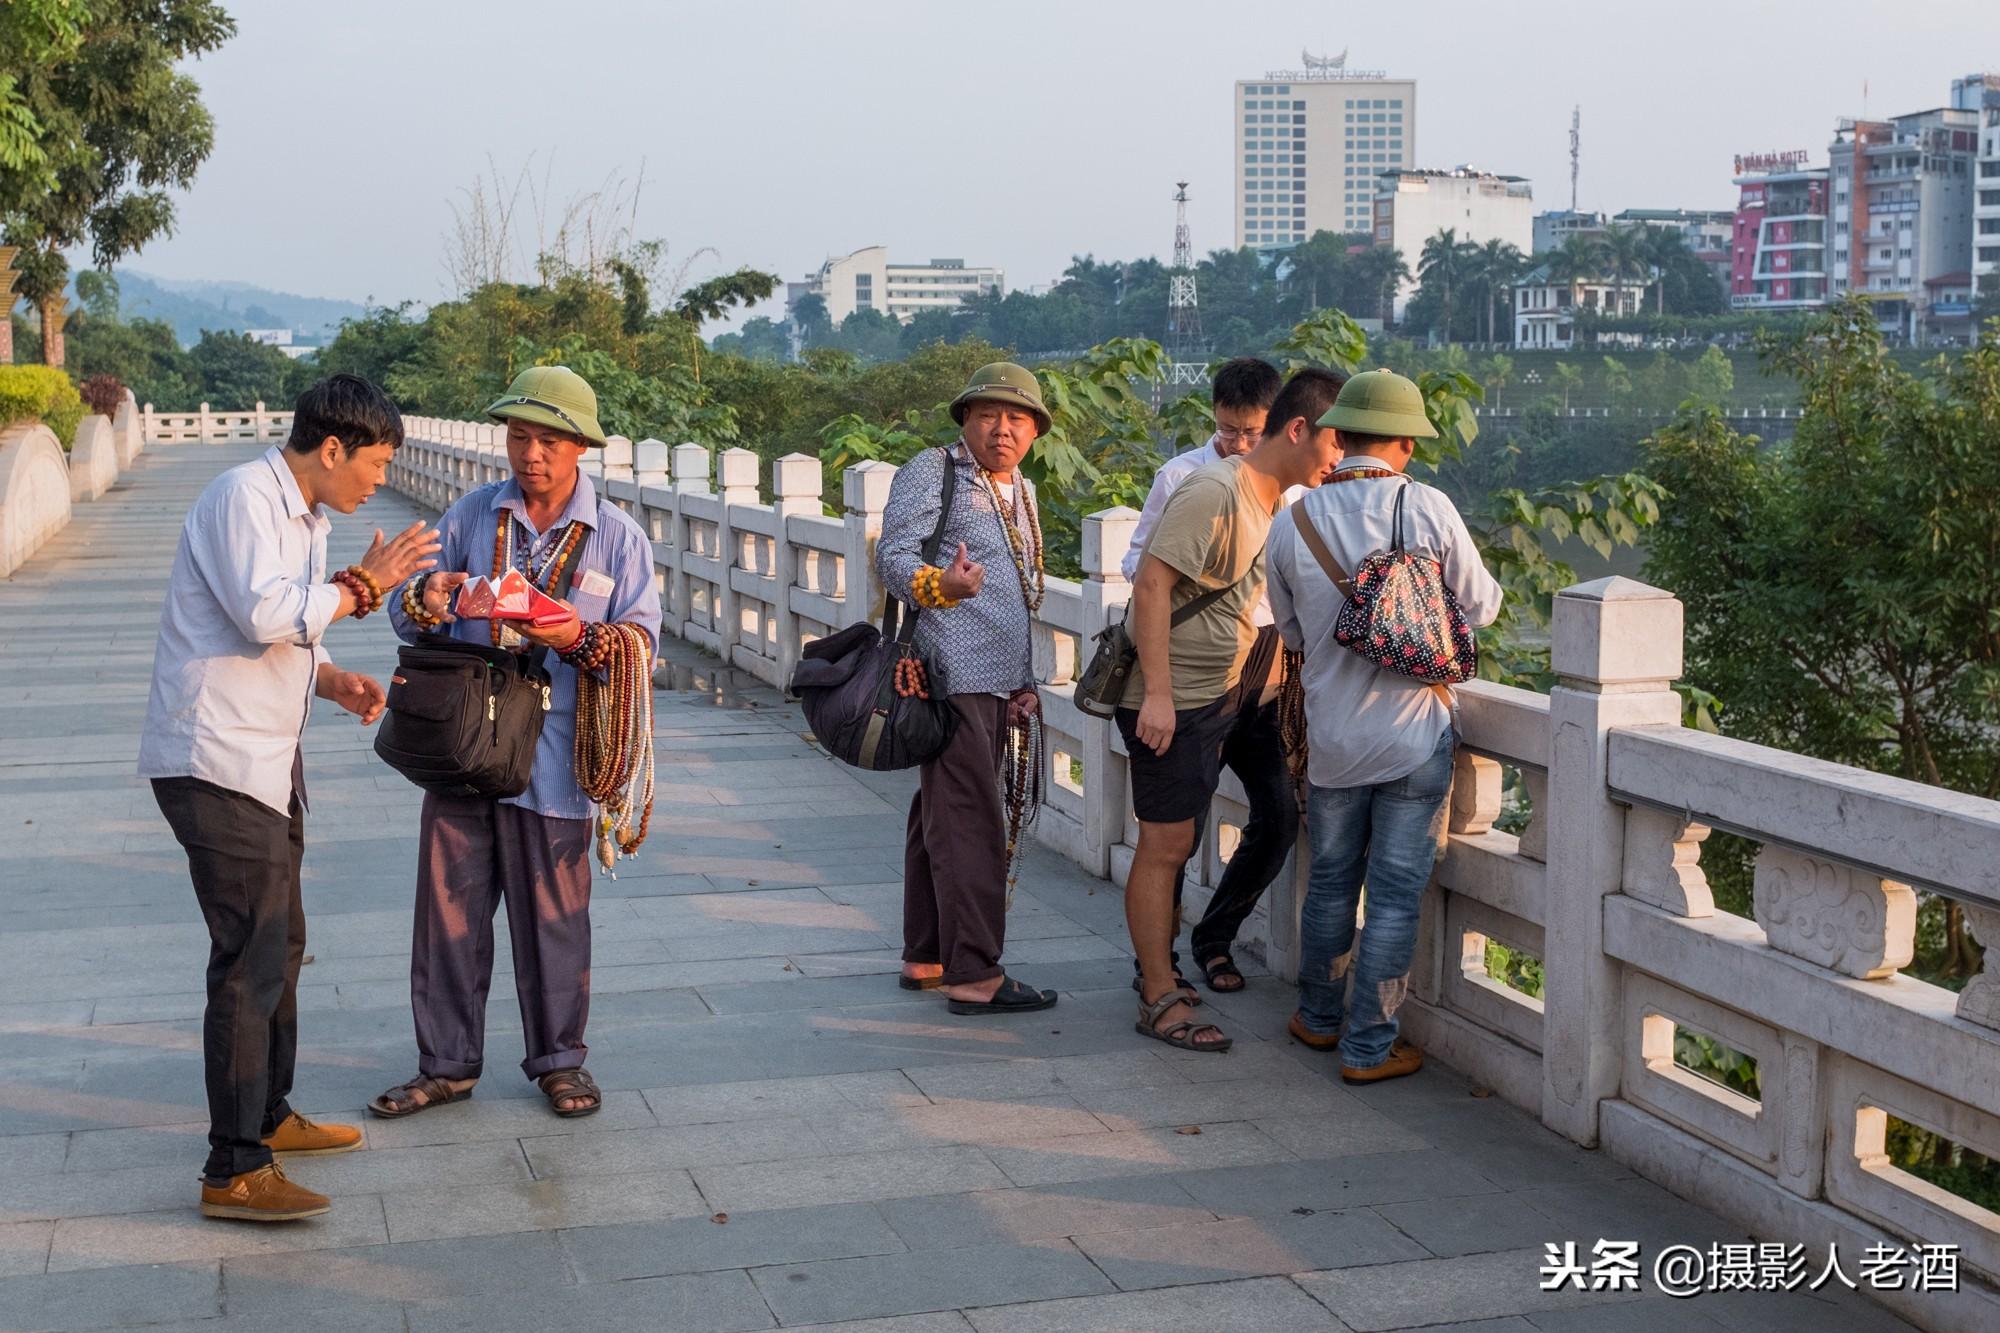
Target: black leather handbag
{"points": [[846, 683], [463, 719]]}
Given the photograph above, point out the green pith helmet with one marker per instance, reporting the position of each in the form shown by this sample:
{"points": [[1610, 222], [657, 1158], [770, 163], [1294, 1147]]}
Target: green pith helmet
{"points": [[551, 396], [1380, 402], [1003, 382]]}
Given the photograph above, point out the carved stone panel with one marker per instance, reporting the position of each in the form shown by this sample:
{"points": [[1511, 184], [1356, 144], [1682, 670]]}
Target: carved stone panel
{"points": [[1663, 862], [1834, 915], [1979, 1002]]}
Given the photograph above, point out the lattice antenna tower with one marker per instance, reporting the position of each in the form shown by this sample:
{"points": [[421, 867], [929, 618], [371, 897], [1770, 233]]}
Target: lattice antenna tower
{"points": [[1184, 340], [1575, 152]]}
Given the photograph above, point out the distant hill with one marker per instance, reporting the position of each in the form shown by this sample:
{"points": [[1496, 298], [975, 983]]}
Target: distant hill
{"points": [[191, 306]]}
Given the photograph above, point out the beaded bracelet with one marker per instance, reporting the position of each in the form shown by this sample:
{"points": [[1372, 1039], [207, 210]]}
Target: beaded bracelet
{"points": [[413, 603], [593, 647], [927, 589], [367, 593]]}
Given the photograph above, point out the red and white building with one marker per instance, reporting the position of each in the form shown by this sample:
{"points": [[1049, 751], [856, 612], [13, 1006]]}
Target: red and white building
{"points": [[1777, 253]]}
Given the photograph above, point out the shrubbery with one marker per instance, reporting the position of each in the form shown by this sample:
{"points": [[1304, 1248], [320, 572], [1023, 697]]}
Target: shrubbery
{"points": [[40, 393]]}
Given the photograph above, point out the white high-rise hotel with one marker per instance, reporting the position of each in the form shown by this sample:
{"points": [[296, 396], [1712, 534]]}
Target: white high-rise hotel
{"points": [[1311, 143]]}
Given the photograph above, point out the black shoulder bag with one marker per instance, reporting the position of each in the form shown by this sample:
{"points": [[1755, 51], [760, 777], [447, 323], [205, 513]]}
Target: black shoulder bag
{"points": [[1101, 687], [847, 683], [463, 719]]}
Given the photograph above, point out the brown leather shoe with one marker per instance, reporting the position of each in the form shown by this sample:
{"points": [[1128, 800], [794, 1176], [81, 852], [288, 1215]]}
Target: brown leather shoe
{"points": [[263, 1195], [1404, 1058], [300, 1137], [1319, 1041]]}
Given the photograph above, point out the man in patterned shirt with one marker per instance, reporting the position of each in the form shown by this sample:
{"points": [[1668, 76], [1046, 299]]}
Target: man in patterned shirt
{"points": [[977, 608]]}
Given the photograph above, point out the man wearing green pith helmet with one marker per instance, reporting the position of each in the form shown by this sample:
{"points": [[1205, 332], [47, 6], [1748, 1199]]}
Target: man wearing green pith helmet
{"points": [[530, 851]]}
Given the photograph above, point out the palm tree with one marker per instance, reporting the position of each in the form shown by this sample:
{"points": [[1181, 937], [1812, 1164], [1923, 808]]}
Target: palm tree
{"points": [[1568, 376], [1625, 256], [1495, 265], [1667, 251], [1499, 372], [1380, 273], [1446, 261]]}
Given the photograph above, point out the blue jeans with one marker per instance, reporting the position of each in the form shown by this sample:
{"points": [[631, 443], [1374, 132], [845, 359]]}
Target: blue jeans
{"points": [[1386, 834]]}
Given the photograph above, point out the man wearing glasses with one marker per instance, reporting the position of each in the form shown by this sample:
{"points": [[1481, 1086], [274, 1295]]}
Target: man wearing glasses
{"points": [[1243, 392]]}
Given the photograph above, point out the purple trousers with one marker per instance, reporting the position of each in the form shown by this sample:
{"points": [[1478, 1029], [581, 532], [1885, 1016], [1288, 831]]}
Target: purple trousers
{"points": [[473, 854]]}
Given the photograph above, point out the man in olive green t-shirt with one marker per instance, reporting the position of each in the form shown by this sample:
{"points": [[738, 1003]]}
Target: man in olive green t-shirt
{"points": [[1194, 678]]}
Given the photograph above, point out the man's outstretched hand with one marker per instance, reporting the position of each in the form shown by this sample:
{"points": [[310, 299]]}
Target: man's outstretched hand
{"points": [[393, 560], [360, 695]]}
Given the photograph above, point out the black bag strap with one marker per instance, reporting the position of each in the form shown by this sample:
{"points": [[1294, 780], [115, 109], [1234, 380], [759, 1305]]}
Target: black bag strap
{"points": [[892, 606]]}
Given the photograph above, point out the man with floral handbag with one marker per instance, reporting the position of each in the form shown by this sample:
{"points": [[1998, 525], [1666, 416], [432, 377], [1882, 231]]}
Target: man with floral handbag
{"points": [[1375, 647]]}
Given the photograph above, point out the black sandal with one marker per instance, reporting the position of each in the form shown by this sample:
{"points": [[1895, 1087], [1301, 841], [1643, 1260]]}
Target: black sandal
{"points": [[436, 1092], [1183, 1033], [1011, 998], [1222, 965], [572, 1083]]}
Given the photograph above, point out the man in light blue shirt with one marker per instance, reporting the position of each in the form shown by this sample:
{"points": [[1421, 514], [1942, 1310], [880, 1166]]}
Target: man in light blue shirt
{"points": [[531, 850], [235, 671]]}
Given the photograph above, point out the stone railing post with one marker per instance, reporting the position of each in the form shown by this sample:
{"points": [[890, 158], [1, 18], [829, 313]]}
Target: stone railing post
{"points": [[205, 425], [127, 431], [146, 424], [796, 483], [690, 478], [261, 421], [864, 493], [1107, 534], [736, 484], [614, 460], [1616, 649], [652, 463]]}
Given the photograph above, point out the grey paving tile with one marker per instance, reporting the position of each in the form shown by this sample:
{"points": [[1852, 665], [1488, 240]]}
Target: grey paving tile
{"points": [[1246, 1247], [24, 1247], [935, 1280], [112, 1298], [856, 1179], [1335, 1183], [392, 1170], [957, 1120], [543, 1205], [695, 1303], [668, 1146], [1440, 1291], [31, 1154], [183, 1235], [487, 1116], [1824, 1311], [941, 1321], [1214, 1103], [1656, 1315], [274, 1287], [782, 1098], [742, 1240], [1262, 1305], [1136, 1152], [1468, 1224], [1073, 1074], [1013, 1216]]}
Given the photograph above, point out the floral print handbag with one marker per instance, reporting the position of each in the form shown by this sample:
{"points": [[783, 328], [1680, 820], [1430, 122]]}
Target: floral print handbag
{"points": [[1399, 614]]}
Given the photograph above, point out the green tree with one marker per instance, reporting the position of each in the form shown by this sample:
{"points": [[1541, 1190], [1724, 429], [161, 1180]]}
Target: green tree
{"points": [[1711, 379], [1499, 374], [120, 127], [1495, 266], [1568, 377], [1442, 268], [1376, 275], [1843, 592], [232, 371], [1617, 382], [33, 34]]}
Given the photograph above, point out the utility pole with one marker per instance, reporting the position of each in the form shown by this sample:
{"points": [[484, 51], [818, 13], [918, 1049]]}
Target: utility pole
{"points": [[1575, 151], [1187, 350]]}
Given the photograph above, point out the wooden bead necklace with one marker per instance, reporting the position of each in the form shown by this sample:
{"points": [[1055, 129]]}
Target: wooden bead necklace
{"points": [[1004, 510]]}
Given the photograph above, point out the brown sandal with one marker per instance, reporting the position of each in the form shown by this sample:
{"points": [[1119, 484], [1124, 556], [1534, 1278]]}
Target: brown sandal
{"points": [[1183, 1033], [436, 1092], [571, 1083]]}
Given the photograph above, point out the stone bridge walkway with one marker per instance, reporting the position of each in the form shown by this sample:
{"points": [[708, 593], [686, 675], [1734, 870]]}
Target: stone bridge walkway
{"points": [[788, 1139]]}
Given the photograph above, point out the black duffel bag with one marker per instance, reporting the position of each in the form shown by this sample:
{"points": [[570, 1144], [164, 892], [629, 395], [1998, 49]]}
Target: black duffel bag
{"points": [[463, 718], [846, 683]]}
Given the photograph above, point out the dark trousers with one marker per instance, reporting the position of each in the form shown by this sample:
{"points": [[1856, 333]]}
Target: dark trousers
{"points": [[244, 858], [473, 854], [955, 851], [1255, 753]]}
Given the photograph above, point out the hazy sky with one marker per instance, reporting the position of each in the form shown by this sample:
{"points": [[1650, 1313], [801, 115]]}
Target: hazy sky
{"points": [[779, 132]]}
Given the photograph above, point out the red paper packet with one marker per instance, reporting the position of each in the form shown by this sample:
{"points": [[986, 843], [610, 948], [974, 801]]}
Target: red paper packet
{"points": [[510, 597]]}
